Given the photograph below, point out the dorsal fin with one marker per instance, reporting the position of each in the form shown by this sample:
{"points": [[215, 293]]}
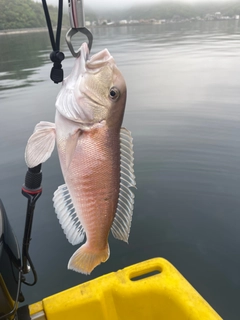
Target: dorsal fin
{"points": [[122, 221], [67, 216]]}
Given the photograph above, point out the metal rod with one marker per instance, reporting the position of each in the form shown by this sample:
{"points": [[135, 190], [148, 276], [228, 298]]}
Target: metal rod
{"points": [[32, 191], [76, 14], [77, 23]]}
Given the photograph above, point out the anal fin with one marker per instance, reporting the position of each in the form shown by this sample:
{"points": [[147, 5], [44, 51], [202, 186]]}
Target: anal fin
{"points": [[67, 215]]}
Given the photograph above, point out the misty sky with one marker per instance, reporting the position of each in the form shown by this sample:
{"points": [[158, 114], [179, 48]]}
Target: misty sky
{"points": [[127, 3]]}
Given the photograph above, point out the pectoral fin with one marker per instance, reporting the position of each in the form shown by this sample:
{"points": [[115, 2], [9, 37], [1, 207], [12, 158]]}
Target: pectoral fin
{"points": [[41, 144]]}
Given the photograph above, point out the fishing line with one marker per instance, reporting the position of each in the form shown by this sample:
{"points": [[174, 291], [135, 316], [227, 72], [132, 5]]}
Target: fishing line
{"points": [[56, 55]]}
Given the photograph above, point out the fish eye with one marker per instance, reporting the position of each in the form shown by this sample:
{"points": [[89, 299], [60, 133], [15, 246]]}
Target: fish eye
{"points": [[114, 93]]}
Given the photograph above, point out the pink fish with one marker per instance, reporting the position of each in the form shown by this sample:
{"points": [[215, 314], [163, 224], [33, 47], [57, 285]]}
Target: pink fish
{"points": [[96, 157]]}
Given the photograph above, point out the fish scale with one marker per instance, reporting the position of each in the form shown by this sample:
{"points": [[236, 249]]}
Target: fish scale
{"points": [[97, 177]]}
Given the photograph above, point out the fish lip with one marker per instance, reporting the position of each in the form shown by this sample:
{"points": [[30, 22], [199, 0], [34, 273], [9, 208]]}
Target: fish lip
{"points": [[94, 63], [78, 68], [99, 60], [82, 59], [84, 53]]}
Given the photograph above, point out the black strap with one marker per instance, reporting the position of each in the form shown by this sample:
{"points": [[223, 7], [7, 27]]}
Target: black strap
{"points": [[56, 55]]}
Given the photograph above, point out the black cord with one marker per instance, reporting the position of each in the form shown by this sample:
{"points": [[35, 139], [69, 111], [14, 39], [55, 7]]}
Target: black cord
{"points": [[59, 25], [56, 56], [49, 24], [32, 270]]}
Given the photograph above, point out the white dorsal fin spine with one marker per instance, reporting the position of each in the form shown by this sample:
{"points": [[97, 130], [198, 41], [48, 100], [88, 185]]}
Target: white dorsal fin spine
{"points": [[67, 216], [126, 200], [124, 205], [128, 159], [115, 232], [127, 183], [127, 196], [126, 150], [126, 162], [125, 169], [127, 143], [123, 187], [122, 222], [128, 176], [121, 230], [125, 135], [121, 214], [123, 218]]}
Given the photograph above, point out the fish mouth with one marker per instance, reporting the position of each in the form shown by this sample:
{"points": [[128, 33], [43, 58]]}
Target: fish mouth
{"points": [[99, 60], [79, 67], [85, 63]]}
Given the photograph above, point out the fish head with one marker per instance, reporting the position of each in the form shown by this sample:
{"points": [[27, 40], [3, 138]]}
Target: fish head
{"points": [[103, 88], [95, 91]]}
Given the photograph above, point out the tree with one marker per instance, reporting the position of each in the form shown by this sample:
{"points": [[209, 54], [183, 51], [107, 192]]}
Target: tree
{"points": [[17, 14]]}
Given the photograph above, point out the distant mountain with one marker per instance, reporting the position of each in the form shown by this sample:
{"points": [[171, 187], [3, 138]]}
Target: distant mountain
{"points": [[167, 10], [17, 14]]}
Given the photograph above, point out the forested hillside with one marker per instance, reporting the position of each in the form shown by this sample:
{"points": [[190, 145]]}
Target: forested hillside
{"points": [[17, 14]]}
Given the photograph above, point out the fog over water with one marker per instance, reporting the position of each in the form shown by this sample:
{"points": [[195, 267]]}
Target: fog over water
{"points": [[183, 111]]}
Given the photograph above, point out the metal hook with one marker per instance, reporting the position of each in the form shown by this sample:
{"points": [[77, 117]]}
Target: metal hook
{"points": [[71, 33], [77, 22]]}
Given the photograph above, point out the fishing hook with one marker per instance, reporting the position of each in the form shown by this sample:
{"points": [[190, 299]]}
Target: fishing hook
{"points": [[77, 23]]}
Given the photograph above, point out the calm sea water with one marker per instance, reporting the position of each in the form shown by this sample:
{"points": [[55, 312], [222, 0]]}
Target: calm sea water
{"points": [[183, 110]]}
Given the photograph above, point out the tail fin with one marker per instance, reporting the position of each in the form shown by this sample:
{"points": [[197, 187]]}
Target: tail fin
{"points": [[84, 260]]}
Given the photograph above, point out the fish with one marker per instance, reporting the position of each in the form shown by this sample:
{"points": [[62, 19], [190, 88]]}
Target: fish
{"points": [[96, 158]]}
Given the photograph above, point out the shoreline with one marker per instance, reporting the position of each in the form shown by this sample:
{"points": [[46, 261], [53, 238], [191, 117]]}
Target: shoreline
{"points": [[25, 30], [45, 29]]}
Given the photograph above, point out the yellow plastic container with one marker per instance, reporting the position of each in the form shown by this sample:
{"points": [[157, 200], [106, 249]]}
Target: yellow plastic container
{"points": [[123, 295]]}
